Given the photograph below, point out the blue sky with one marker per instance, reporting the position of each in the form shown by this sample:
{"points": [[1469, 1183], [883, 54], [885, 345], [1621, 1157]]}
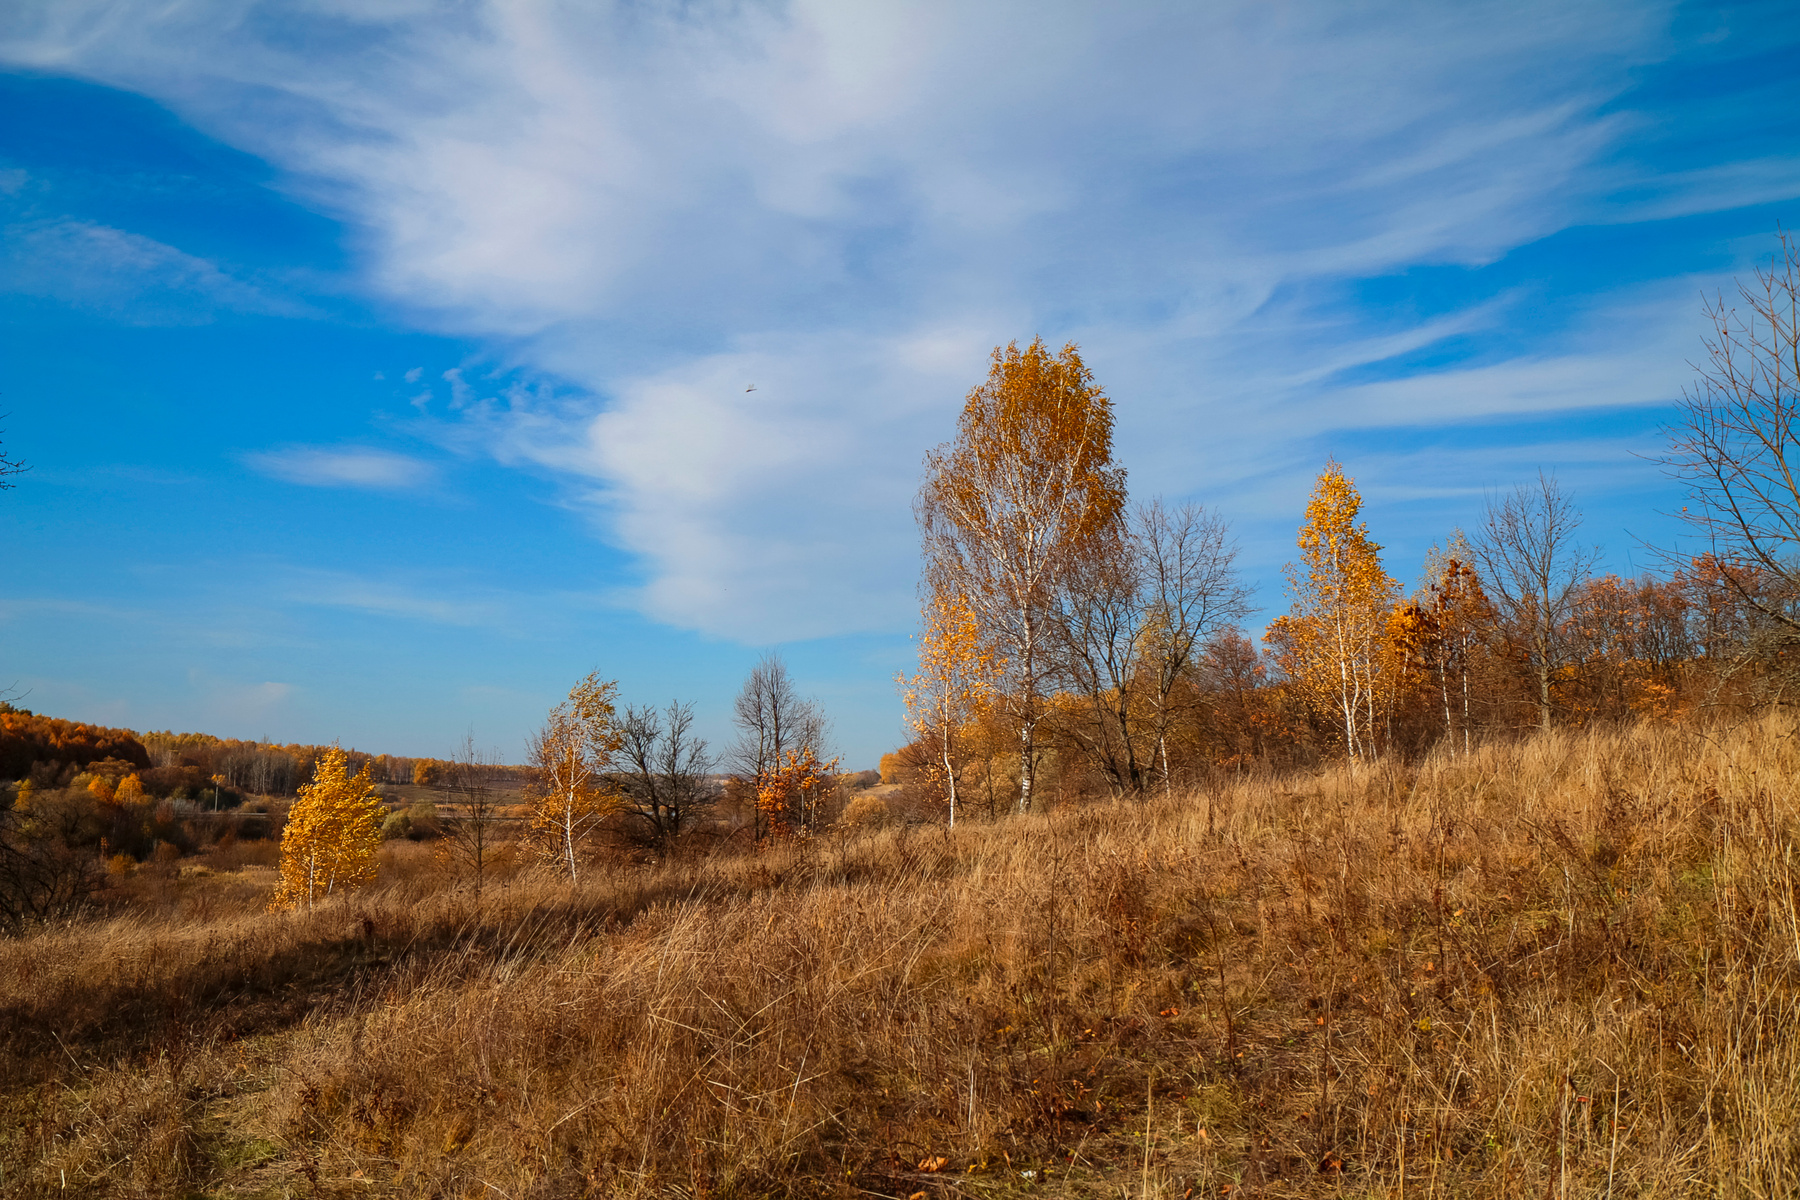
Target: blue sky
{"points": [[383, 366]]}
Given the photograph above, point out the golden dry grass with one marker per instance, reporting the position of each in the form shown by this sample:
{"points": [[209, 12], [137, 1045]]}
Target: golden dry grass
{"points": [[1559, 967]]}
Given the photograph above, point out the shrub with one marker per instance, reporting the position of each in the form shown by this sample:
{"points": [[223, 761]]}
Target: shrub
{"points": [[866, 812], [422, 822]]}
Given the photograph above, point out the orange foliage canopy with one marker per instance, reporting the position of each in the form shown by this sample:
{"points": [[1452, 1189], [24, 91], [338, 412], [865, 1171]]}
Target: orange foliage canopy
{"points": [[26, 739], [1008, 508], [789, 794], [1335, 641]]}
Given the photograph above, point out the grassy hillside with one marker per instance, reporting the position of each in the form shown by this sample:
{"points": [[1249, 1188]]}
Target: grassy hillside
{"points": [[1565, 966]]}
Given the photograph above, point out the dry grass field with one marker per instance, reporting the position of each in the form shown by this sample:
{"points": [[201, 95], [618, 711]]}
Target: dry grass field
{"points": [[1565, 966]]}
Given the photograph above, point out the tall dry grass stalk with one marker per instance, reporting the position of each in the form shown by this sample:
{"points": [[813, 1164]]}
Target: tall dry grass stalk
{"points": [[1559, 967]]}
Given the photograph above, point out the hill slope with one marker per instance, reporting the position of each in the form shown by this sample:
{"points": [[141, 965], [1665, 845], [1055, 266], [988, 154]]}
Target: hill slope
{"points": [[1560, 966]]}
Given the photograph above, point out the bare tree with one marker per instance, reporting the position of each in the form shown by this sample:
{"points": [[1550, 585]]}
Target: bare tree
{"points": [[470, 822], [665, 771], [45, 872], [773, 720], [1191, 583], [1094, 638], [1737, 445], [1530, 559], [1128, 619], [9, 467]]}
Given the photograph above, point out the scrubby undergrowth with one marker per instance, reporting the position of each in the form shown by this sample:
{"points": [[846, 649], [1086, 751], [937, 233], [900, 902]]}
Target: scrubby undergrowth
{"points": [[1565, 966]]}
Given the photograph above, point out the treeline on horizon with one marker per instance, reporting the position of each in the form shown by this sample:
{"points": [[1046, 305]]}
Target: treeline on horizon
{"points": [[49, 752], [1473, 652]]}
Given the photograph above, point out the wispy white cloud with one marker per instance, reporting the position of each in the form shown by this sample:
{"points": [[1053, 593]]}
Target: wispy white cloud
{"points": [[345, 466], [847, 205], [125, 275], [441, 602]]}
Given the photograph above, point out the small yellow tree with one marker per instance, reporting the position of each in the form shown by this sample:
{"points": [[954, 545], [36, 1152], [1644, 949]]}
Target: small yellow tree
{"points": [[954, 686], [570, 755], [333, 831], [789, 794], [1334, 641]]}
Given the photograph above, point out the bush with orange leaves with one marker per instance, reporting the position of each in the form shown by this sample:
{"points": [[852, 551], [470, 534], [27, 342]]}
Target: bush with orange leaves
{"points": [[790, 795]]}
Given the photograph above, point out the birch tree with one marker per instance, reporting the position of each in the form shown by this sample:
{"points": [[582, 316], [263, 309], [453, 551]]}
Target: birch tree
{"points": [[1333, 642], [953, 687], [1462, 623], [1008, 506], [332, 834], [570, 756]]}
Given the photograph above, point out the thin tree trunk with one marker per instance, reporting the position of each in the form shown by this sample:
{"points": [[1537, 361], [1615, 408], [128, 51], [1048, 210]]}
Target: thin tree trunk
{"points": [[1467, 718], [569, 835], [950, 775], [1027, 753], [1444, 689], [1028, 730]]}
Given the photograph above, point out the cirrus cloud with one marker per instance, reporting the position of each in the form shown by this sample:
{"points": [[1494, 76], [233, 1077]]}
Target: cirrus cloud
{"points": [[348, 466], [846, 205]]}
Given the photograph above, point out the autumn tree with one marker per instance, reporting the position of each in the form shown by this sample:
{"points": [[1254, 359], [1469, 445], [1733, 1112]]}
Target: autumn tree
{"points": [[333, 832], [664, 772], [1729, 606], [773, 720], [1534, 569], [791, 793], [1008, 508], [954, 686], [570, 756], [471, 824], [1445, 631], [1333, 641], [1231, 678]]}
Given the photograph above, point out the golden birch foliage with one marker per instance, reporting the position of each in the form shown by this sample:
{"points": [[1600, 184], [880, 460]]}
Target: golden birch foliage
{"points": [[333, 832], [570, 756], [1008, 507], [1333, 642], [788, 795], [954, 685]]}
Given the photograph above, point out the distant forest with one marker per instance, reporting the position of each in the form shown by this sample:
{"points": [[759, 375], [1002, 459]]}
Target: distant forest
{"points": [[49, 752]]}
